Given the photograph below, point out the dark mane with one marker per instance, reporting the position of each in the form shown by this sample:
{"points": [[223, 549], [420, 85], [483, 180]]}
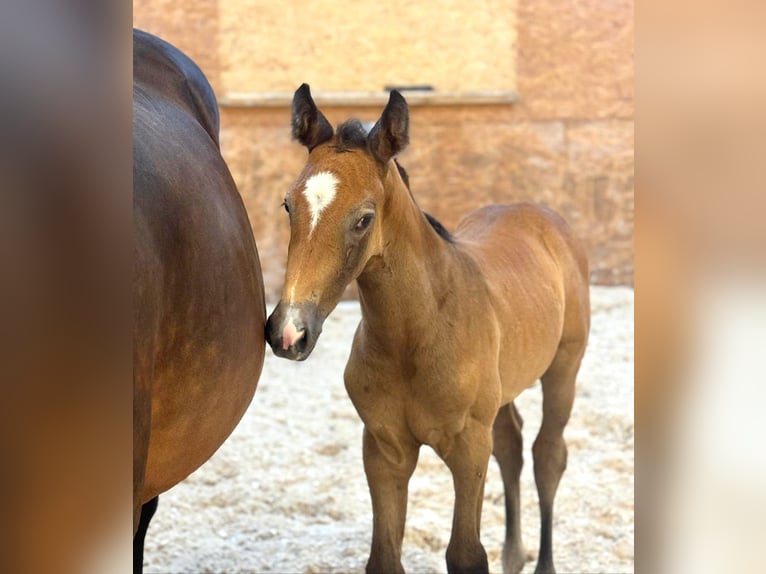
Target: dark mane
{"points": [[439, 228], [405, 177], [435, 223], [350, 135]]}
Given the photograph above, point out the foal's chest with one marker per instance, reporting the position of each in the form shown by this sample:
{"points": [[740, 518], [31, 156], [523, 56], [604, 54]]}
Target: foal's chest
{"points": [[428, 402]]}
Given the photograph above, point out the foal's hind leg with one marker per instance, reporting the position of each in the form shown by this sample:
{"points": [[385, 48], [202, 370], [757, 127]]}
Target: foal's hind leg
{"points": [[147, 511], [549, 449], [507, 448]]}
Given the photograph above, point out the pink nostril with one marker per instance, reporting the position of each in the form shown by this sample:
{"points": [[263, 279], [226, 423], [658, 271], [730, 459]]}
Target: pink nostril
{"points": [[290, 335]]}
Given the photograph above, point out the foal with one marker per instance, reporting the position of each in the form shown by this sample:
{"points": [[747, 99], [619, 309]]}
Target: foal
{"points": [[453, 328]]}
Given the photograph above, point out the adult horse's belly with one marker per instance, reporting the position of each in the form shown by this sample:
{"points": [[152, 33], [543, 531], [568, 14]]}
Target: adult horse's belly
{"points": [[200, 313], [183, 438]]}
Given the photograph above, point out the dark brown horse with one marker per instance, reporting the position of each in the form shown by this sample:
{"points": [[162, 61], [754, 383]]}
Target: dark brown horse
{"points": [[199, 308], [453, 328]]}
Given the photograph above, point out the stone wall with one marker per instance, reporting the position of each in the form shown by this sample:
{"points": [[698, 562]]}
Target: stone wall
{"points": [[567, 143]]}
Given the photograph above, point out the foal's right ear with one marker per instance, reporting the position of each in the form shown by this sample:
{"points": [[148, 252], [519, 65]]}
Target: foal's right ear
{"points": [[391, 133], [310, 127]]}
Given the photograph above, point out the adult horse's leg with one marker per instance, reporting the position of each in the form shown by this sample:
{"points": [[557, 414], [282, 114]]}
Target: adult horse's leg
{"points": [[468, 459], [549, 449], [388, 472], [507, 448], [147, 511]]}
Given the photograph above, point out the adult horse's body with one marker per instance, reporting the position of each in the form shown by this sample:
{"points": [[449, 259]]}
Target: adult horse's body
{"points": [[199, 308], [453, 328]]}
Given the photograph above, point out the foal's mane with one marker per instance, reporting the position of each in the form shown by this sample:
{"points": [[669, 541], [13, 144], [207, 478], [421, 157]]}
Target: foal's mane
{"points": [[435, 223], [352, 134]]}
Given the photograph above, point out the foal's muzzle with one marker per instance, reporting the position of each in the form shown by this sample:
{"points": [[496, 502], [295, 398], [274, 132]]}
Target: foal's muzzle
{"points": [[293, 329]]}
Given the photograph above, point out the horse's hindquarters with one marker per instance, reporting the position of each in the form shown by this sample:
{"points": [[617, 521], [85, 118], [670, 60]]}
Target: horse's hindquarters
{"points": [[539, 284], [200, 289]]}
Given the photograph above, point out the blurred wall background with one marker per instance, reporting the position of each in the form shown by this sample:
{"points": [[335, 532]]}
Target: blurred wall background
{"points": [[533, 100]]}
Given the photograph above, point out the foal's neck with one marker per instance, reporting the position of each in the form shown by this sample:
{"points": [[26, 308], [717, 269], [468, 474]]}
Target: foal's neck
{"points": [[399, 294]]}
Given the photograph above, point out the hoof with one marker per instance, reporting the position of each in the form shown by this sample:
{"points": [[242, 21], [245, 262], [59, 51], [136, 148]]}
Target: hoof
{"points": [[470, 558], [514, 559], [545, 568], [379, 568], [477, 566]]}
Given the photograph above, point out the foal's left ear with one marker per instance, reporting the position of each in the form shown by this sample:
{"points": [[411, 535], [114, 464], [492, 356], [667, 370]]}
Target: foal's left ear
{"points": [[310, 127], [391, 133]]}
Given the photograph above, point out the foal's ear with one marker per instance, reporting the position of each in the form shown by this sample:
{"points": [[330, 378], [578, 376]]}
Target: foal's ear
{"points": [[310, 127], [391, 133]]}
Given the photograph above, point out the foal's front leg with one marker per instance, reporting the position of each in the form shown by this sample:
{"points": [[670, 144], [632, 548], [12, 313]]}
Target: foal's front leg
{"points": [[389, 464], [468, 459]]}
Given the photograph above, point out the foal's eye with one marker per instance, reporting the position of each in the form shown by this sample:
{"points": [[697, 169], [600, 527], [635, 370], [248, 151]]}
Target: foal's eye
{"points": [[287, 207], [364, 222]]}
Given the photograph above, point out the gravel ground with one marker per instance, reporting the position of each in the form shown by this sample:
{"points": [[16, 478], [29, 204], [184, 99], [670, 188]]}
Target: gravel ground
{"points": [[287, 491]]}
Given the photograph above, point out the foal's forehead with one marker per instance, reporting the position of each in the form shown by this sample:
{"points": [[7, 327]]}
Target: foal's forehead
{"points": [[350, 168], [332, 181]]}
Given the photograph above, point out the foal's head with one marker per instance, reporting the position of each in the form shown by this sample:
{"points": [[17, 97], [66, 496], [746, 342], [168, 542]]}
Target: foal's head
{"points": [[335, 211]]}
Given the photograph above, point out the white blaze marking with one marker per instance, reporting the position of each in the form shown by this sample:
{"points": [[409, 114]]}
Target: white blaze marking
{"points": [[320, 191], [292, 289]]}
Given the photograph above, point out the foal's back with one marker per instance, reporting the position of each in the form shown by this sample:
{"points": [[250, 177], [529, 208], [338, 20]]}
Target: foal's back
{"points": [[537, 276]]}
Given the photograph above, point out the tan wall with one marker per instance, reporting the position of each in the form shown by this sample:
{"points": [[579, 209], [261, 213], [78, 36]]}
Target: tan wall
{"points": [[190, 25], [568, 143], [367, 45]]}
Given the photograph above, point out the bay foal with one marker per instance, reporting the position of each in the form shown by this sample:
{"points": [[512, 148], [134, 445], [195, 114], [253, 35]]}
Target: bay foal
{"points": [[453, 328]]}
